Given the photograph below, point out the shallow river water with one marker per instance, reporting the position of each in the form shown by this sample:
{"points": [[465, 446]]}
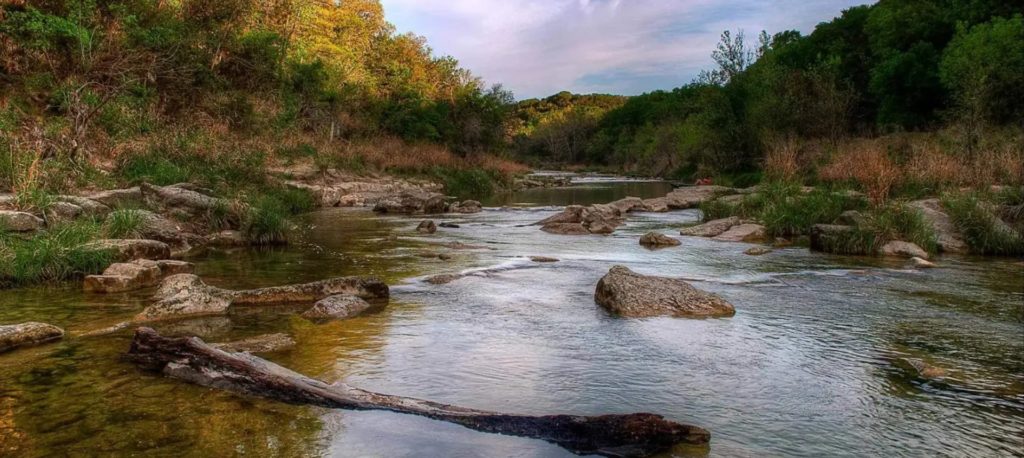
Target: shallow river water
{"points": [[813, 364]]}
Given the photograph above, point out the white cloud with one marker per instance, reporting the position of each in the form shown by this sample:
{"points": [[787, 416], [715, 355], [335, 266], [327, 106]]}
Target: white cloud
{"points": [[539, 47]]}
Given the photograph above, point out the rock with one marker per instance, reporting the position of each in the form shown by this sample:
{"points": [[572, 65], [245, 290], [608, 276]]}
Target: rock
{"points": [[336, 308], [712, 228], [449, 225], [138, 274], [155, 227], [922, 263], [89, 207], [125, 250], [925, 370], [60, 211], [948, 237], [426, 227], [657, 205], [227, 239], [749, 233], [757, 251], [565, 229], [851, 218], [442, 279], [625, 293], [780, 242], [692, 196], [579, 220], [25, 334], [658, 240], [182, 198], [15, 221], [444, 257], [411, 202], [259, 344], [186, 295], [902, 249], [467, 206], [629, 204], [465, 246], [115, 198], [543, 259], [824, 237]]}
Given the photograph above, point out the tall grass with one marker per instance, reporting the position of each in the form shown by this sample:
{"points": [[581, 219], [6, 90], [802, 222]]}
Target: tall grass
{"points": [[784, 209], [266, 222], [124, 224], [53, 255], [983, 231]]}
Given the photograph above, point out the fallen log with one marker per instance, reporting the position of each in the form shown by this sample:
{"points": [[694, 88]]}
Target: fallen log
{"points": [[192, 360]]}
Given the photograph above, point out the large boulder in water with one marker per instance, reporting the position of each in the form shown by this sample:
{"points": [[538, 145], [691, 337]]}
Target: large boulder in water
{"points": [[20, 335], [658, 240], [411, 202], [579, 220], [901, 249], [628, 294], [138, 274], [467, 206], [337, 307]]}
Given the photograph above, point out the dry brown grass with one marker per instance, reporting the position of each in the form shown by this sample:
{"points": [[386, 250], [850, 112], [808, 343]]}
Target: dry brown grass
{"points": [[783, 160], [864, 162]]}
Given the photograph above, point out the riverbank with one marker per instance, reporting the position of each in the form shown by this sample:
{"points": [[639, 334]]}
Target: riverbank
{"points": [[550, 346]]}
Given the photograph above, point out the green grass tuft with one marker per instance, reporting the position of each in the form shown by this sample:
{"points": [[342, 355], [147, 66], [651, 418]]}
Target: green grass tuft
{"points": [[123, 224], [53, 255], [983, 231], [266, 222]]}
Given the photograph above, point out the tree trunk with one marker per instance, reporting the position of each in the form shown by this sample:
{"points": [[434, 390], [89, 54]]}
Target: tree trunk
{"points": [[190, 359]]}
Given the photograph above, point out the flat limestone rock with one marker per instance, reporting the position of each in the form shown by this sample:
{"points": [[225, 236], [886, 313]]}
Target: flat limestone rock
{"points": [[901, 249], [258, 344], [467, 207], [543, 259], [25, 334], [337, 307], [629, 204], [693, 196], [656, 205], [138, 274], [116, 198], [131, 249], [185, 295], [580, 220], [625, 293], [949, 239], [743, 233], [15, 221], [711, 228]]}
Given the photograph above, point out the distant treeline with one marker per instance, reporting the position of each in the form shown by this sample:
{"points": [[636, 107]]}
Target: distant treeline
{"points": [[895, 66]]}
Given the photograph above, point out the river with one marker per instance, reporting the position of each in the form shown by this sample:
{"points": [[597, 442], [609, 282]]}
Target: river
{"points": [[813, 363]]}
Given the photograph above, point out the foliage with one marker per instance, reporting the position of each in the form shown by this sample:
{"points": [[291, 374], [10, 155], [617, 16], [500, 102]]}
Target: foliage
{"points": [[982, 229], [57, 254], [266, 222], [123, 224]]}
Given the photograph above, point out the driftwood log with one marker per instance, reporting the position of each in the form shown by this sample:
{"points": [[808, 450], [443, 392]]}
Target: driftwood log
{"points": [[190, 359]]}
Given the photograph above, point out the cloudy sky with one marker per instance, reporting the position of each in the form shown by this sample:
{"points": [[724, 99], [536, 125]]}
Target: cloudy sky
{"points": [[539, 47]]}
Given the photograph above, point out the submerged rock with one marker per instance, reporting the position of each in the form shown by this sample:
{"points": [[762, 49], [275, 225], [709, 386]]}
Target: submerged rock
{"points": [[712, 228], [15, 221], [922, 263], [337, 307], [543, 259], [187, 295], [447, 225], [925, 370], [227, 239], [757, 251], [25, 334], [626, 293], [749, 233], [443, 279], [658, 240], [125, 250], [259, 344], [426, 227], [565, 229], [898, 248]]}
